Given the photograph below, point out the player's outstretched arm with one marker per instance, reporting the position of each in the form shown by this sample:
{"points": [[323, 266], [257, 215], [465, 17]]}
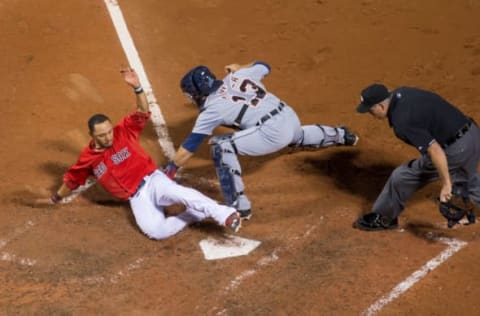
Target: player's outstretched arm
{"points": [[181, 157], [131, 78]]}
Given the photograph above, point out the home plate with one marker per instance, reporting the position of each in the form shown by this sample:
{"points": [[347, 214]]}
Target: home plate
{"points": [[231, 246]]}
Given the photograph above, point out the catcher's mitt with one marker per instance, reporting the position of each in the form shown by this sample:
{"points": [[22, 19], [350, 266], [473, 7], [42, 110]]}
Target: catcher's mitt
{"points": [[460, 205]]}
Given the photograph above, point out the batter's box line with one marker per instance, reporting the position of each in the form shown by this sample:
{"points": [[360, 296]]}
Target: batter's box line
{"points": [[17, 232], [5, 256], [454, 245], [10, 257], [266, 260], [262, 262], [115, 277]]}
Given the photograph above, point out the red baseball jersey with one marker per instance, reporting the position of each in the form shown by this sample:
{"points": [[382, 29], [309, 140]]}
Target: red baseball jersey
{"points": [[119, 168]]}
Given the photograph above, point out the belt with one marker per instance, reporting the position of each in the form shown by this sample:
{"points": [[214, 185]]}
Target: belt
{"points": [[462, 131], [271, 114], [142, 183]]}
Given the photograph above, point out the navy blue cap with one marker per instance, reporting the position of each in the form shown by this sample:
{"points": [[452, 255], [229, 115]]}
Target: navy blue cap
{"points": [[371, 95]]}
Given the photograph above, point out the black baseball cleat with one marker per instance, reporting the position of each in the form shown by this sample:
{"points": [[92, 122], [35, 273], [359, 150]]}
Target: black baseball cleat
{"points": [[245, 214], [350, 139], [375, 221]]}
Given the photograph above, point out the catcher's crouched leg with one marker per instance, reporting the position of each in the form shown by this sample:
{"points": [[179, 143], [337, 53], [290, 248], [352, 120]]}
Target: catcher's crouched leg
{"points": [[228, 170], [317, 136]]}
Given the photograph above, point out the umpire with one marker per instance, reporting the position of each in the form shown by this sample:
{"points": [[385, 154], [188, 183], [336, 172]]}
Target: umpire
{"points": [[448, 141]]}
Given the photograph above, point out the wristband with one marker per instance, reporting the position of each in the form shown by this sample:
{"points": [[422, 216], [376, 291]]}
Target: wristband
{"points": [[138, 90], [55, 198]]}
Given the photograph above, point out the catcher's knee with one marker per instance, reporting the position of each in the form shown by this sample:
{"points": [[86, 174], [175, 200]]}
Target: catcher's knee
{"points": [[155, 231]]}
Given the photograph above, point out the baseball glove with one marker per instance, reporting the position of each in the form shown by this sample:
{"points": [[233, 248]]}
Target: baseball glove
{"points": [[460, 205]]}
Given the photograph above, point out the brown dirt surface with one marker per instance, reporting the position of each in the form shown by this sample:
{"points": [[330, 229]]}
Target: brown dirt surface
{"points": [[60, 62]]}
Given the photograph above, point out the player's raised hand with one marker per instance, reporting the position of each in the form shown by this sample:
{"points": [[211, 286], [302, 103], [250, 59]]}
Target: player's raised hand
{"points": [[130, 77], [232, 68]]}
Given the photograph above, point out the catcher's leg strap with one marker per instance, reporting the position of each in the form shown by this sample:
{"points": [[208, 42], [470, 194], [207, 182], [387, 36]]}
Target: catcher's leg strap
{"points": [[224, 156], [316, 136]]}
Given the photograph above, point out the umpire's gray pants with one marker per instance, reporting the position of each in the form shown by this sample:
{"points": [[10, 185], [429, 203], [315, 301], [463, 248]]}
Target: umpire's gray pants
{"points": [[463, 157]]}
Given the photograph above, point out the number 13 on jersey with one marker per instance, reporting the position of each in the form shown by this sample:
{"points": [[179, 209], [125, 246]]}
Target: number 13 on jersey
{"points": [[250, 92]]}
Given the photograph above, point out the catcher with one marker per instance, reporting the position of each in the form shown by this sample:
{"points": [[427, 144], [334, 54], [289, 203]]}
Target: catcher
{"points": [[263, 124], [449, 144]]}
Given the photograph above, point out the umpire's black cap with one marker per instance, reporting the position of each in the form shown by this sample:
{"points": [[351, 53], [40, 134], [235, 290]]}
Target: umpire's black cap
{"points": [[371, 95]]}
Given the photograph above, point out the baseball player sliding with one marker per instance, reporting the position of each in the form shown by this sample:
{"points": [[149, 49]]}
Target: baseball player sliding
{"points": [[264, 124], [123, 168]]}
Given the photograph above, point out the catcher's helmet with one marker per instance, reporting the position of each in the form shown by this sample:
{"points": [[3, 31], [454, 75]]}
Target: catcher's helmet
{"points": [[198, 83]]}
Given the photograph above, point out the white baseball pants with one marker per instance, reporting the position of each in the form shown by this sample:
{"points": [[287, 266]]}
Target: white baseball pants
{"points": [[158, 192]]}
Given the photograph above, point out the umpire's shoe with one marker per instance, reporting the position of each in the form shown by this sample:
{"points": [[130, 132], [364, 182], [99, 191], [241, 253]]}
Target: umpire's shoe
{"points": [[375, 221], [350, 139]]}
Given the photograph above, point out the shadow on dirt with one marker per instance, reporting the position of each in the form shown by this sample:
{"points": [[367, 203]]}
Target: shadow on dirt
{"points": [[428, 231], [212, 229], [366, 181], [95, 194], [61, 146]]}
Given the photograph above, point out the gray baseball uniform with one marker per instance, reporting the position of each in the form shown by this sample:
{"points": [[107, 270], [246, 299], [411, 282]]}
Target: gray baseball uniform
{"points": [[265, 125]]}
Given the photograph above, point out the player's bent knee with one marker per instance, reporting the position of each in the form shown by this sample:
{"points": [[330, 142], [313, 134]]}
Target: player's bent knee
{"points": [[155, 230], [158, 234]]}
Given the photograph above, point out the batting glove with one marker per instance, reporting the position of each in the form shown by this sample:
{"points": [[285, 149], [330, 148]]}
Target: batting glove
{"points": [[171, 169]]}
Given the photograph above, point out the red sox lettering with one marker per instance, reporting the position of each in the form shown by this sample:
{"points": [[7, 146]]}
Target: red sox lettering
{"points": [[120, 156]]}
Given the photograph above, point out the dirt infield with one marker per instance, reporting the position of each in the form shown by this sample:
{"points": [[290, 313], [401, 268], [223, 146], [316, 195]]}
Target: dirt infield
{"points": [[60, 62]]}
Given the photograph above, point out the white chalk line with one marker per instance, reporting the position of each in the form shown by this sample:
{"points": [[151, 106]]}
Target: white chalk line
{"points": [[213, 183], [113, 278], [454, 246], [235, 283], [5, 256], [158, 123], [262, 262], [10, 257], [135, 62], [266, 260]]}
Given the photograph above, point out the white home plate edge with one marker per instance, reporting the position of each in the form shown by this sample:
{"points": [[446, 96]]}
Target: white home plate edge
{"points": [[230, 246]]}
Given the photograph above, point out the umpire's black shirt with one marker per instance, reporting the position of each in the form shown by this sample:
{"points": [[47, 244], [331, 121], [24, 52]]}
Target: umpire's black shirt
{"points": [[420, 117]]}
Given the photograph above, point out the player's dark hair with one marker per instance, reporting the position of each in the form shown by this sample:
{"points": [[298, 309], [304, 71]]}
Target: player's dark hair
{"points": [[96, 119]]}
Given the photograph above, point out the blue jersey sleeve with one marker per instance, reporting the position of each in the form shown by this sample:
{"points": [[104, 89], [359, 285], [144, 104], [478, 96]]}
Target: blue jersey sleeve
{"points": [[193, 141]]}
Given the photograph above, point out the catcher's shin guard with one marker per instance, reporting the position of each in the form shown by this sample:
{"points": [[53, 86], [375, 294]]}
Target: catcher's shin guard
{"points": [[317, 136], [220, 146]]}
